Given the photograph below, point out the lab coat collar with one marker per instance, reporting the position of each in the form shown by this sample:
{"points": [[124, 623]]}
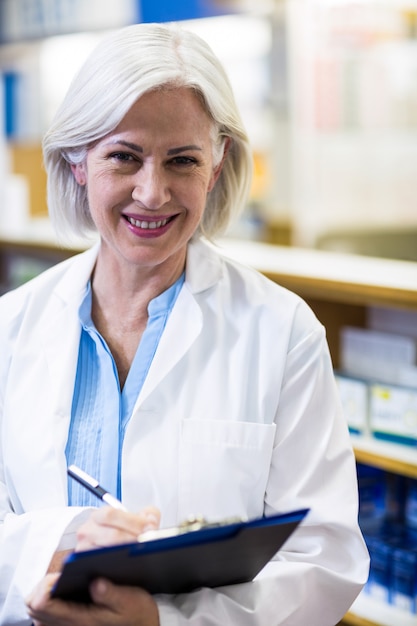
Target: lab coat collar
{"points": [[61, 327], [203, 266], [200, 253], [74, 281]]}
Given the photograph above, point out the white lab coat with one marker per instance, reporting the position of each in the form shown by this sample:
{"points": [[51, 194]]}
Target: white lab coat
{"points": [[238, 415]]}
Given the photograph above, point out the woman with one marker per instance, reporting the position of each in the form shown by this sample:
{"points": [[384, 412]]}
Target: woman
{"points": [[184, 382]]}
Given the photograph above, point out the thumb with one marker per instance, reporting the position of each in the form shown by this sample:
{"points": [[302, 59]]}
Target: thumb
{"points": [[123, 604], [103, 592], [115, 598]]}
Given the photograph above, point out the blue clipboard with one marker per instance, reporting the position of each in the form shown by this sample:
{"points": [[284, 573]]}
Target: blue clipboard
{"points": [[214, 556]]}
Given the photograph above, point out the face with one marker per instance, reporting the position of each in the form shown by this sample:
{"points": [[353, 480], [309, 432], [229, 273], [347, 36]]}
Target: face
{"points": [[148, 180]]}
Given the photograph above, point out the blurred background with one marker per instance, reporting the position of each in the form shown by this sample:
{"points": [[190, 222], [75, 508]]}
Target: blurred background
{"points": [[327, 90]]}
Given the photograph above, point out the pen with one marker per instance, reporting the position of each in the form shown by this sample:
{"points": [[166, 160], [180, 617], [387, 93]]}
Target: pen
{"points": [[92, 485]]}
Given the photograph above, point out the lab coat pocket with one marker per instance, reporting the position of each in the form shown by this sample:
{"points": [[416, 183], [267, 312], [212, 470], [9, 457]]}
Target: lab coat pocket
{"points": [[223, 468]]}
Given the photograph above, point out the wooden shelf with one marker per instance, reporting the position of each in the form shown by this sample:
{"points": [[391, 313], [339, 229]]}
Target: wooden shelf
{"points": [[354, 620], [392, 457], [22, 258], [369, 612], [330, 276]]}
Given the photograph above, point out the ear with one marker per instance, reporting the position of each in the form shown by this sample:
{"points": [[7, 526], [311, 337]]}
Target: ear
{"points": [[217, 170], [80, 173]]}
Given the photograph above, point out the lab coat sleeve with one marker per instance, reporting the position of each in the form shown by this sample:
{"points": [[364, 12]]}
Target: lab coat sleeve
{"points": [[321, 569], [27, 544], [28, 539]]}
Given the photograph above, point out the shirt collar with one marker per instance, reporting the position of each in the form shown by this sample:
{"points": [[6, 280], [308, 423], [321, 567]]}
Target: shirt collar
{"points": [[157, 306]]}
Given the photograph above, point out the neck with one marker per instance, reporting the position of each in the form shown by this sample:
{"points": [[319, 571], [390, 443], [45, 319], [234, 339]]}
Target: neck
{"points": [[123, 293]]}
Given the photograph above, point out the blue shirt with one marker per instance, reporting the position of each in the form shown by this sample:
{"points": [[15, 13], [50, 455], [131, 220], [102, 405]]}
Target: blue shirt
{"points": [[100, 409]]}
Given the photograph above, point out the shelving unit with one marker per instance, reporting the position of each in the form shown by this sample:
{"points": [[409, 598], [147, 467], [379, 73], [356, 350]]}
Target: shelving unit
{"points": [[339, 288], [354, 130], [20, 260]]}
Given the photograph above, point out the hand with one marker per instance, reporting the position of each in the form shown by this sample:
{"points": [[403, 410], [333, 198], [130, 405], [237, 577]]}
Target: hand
{"points": [[113, 605], [107, 526], [57, 561]]}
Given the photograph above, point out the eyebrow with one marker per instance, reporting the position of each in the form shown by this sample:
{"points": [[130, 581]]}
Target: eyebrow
{"points": [[183, 149], [171, 151]]}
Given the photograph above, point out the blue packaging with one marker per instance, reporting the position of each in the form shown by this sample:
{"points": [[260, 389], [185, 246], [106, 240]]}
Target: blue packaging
{"points": [[411, 509], [396, 490], [403, 591], [372, 498], [378, 585]]}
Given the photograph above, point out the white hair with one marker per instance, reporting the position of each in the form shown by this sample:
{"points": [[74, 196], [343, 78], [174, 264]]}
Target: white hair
{"points": [[124, 66]]}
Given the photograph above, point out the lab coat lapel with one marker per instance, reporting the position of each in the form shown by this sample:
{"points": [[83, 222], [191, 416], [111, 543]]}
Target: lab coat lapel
{"points": [[62, 331], [183, 327], [185, 322], [61, 353], [60, 346]]}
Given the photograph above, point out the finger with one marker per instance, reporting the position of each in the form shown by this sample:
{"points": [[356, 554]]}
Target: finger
{"points": [[123, 603], [59, 613], [53, 612], [108, 526], [133, 523], [41, 594]]}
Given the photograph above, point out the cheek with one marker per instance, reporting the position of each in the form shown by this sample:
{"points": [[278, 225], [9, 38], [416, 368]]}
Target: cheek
{"points": [[195, 192], [196, 203], [103, 190]]}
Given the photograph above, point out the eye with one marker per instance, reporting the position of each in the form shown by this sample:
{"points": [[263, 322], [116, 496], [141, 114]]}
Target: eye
{"points": [[184, 160], [123, 157]]}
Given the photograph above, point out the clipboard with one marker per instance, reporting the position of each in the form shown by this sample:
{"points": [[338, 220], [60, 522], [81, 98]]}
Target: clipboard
{"points": [[213, 556]]}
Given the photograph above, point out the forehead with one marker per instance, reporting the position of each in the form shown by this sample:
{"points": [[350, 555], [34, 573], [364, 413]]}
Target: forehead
{"points": [[168, 110]]}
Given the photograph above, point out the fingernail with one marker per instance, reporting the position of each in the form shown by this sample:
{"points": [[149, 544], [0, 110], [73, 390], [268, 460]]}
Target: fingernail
{"points": [[100, 587], [151, 520]]}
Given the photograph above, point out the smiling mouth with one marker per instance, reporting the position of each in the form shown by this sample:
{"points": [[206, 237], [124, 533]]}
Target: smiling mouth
{"points": [[145, 225]]}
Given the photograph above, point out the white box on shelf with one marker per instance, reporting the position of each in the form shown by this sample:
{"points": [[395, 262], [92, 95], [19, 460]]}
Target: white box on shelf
{"points": [[393, 413], [400, 321], [354, 397], [375, 355]]}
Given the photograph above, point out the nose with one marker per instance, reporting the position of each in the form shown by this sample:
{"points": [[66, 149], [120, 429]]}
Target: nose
{"points": [[151, 187]]}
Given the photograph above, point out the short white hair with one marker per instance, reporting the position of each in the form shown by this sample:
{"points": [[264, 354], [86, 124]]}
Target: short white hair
{"points": [[125, 65]]}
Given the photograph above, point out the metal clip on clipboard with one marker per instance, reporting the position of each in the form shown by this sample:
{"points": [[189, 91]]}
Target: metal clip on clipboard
{"points": [[190, 524]]}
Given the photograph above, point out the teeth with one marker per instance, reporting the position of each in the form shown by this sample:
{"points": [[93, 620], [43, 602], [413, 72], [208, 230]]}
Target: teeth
{"points": [[146, 225]]}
